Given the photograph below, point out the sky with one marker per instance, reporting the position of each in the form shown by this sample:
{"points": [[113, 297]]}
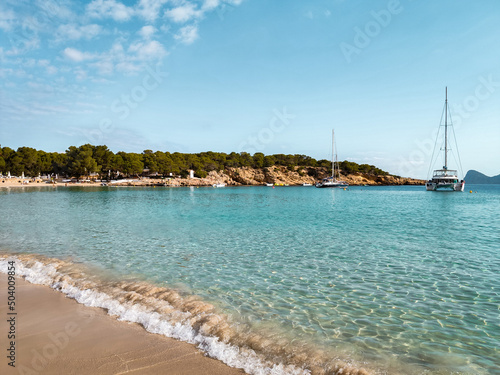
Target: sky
{"points": [[255, 76]]}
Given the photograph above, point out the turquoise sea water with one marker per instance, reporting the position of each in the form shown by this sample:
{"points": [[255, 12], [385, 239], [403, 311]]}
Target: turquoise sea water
{"points": [[403, 280]]}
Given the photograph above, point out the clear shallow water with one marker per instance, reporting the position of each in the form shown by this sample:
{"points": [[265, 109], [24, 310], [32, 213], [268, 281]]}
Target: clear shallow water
{"points": [[377, 275]]}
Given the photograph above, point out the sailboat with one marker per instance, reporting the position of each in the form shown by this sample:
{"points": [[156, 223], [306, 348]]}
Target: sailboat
{"points": [[333, 181], [445, 179]]}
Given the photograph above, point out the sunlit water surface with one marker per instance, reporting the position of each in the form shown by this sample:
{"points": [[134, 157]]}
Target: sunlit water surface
{"points": [[388, 274]]}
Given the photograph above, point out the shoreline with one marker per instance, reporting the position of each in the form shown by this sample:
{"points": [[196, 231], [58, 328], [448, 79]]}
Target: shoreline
{"points": [[154, 183], [242, 176], [137, 322], [56, 334]]}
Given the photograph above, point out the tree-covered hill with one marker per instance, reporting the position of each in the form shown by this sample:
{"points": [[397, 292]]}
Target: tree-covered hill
{"points": [[88, 159], [475, 177]]}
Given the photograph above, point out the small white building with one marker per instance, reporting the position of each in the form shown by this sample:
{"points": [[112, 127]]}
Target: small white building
{"points": [[191, 173]]}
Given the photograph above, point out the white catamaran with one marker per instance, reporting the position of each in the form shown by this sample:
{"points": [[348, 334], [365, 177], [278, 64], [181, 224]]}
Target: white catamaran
{"points": [[333, 181], [445, 179]]}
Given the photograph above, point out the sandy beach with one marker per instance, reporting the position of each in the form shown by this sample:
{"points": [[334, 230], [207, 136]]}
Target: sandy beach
{"points": [[56, 335]]}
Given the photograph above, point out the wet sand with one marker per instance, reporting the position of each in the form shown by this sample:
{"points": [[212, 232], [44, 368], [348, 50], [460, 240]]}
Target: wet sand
{"points": [[56, 335]]}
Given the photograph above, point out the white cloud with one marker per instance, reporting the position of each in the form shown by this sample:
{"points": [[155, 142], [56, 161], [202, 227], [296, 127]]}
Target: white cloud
{"points": [[147, 31], [116, 49], [22, 44], [76, 55], [150, 9], [165, 28], [128, 67], [51, 69], [76, 32], [129, 60], [29, 63], [211, 4], [183, 13], [50, 9], [80, 74], [6, 72], [41, 87], [18, 73], [32, 108], [147, 50], [7, 19], [122, 50], [187, 34], [109, 8], [104, 66]]}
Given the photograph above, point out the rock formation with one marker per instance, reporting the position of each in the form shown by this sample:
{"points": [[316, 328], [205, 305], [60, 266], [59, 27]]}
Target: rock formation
{"points": [[278, 175]]}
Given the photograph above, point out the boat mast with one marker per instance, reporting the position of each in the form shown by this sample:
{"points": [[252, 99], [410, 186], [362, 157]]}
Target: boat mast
{"points": [[446, 130], [333, 154]]}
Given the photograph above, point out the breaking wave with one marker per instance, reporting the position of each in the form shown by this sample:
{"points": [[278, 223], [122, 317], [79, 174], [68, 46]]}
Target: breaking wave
{"points": [[187, 318]]}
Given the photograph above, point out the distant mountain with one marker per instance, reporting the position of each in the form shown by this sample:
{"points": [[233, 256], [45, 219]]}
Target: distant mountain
{"points": [[475, 177]]}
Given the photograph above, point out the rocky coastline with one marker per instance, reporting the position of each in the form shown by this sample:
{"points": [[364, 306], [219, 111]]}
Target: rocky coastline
{"points": [[276, 175], [243, 176]]}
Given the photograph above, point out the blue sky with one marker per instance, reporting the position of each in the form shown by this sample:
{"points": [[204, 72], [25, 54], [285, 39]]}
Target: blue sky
{"points": [[254, 75]]}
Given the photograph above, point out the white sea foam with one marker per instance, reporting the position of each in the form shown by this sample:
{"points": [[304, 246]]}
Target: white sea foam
{"points": [[38, 272]]}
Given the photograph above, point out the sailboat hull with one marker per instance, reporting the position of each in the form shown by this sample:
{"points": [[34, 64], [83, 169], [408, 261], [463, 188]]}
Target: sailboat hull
{"points": [[332, 185], [438, 186]]}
